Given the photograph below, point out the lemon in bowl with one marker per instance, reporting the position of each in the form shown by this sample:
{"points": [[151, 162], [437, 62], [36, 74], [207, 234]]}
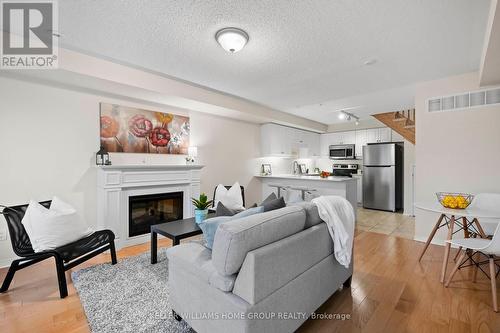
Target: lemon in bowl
{"points": [[454, 200]]}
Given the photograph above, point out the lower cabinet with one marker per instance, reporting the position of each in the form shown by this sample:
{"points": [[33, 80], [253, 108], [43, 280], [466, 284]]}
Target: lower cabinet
{"points": [[360, 188]]}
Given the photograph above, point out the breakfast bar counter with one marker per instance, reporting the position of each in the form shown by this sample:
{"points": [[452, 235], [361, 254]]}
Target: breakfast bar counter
{"points": [[293, 187]]}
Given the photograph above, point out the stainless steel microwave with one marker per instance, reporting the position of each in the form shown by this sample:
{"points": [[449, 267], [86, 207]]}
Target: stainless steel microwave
{"points": [[342, 152]]}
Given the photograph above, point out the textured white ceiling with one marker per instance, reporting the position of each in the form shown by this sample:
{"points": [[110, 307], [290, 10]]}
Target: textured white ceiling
{"points": [[300, 53]]}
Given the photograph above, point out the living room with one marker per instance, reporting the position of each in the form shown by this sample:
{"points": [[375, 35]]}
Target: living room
{"points": [[207, 97]]}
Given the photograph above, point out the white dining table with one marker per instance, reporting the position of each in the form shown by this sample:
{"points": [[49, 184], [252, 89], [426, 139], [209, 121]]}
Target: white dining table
{"points": [[466, 219]]}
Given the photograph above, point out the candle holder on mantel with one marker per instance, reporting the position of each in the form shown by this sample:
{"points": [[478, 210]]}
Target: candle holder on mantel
{"points": [[192, 154], [102, 157]]}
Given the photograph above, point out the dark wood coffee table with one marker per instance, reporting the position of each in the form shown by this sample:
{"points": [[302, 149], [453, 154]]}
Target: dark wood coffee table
{"points": [[175, 230]]}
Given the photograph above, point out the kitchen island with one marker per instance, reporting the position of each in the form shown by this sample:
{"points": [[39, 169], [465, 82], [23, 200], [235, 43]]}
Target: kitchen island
{"points": [[292, 186]]}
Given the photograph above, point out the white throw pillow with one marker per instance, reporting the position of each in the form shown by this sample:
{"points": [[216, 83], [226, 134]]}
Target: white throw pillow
{"points": [[48, 229], [231, 198]]}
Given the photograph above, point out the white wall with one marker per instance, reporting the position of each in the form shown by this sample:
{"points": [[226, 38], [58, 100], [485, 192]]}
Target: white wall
{"points": [[49, 137], [456, 151]]}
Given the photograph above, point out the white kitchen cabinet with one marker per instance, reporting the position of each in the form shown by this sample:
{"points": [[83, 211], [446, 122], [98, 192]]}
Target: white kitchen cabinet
{"points": [[312, 142], [385, 134], [376, 135], [361, 140], [277, 140], [372, 135], [336, 138], [360, 188], [348, 137], [325, 141], [343, 138]]}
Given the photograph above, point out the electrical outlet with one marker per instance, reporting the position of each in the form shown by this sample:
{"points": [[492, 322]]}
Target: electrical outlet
{"points": [[3, 235]]}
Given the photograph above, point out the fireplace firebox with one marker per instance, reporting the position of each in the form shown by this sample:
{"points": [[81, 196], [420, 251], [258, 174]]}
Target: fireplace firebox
{"points": [[147, 210]]}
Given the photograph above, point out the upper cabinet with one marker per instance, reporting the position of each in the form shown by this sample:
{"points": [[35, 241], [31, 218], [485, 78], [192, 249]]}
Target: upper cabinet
{"points": [[359, 137], [277, 140], [361, 140], [376, 135], [342, 138], [272, 141]]}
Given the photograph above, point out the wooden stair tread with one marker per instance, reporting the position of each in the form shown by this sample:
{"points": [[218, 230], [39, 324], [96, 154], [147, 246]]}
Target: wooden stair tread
{"points": [[400, 123]]}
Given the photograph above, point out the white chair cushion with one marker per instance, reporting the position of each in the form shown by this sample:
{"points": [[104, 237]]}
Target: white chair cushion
{"points": [[231, 198], [48, 229]]}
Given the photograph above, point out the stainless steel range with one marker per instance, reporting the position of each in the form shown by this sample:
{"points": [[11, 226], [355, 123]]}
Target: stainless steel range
{"points": [[344, 169]]}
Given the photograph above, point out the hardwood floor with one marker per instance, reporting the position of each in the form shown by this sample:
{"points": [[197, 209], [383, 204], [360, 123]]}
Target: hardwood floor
{"points": [[390, 292]]}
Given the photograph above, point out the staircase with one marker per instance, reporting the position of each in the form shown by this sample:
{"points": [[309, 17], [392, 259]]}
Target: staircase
{"points": [[402, 122]]}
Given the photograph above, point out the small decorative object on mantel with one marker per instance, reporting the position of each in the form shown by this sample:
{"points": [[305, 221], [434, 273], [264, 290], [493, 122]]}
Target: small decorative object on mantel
{"points": [[201, 207], [192, 153], [102, 157], [265, 169]]}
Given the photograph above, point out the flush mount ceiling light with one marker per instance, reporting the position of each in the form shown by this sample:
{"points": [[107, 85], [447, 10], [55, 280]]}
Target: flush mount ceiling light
{"points": [[231, 39], [370, 62]]}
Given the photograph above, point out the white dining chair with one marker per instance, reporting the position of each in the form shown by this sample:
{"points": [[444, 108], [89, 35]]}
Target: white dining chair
{"points": [[473, 250], [488, 202]]}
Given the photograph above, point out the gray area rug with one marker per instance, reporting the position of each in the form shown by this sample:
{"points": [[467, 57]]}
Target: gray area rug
{"points": [[131, 296]]}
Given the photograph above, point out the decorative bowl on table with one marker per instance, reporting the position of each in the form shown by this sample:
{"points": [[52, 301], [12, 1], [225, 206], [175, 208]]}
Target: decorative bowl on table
{"points": [[454, 200], [324, 174]]}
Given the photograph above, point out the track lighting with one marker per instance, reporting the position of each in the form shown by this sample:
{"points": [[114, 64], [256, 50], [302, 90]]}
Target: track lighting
{"points": [[348, 116]]}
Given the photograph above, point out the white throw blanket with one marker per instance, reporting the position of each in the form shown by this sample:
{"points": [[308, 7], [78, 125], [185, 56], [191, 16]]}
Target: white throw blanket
{"points": [[338, 214]]}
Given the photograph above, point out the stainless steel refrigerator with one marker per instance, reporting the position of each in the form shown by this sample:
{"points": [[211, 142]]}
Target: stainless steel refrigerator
{"points": [[383, 176]]}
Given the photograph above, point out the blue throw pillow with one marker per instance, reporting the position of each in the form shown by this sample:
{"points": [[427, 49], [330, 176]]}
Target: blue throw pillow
{"points": [[209, 226], [249, 211]]}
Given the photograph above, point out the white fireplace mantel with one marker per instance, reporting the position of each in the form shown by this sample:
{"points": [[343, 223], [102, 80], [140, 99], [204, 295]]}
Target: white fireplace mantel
{"points": [[116, 183]]}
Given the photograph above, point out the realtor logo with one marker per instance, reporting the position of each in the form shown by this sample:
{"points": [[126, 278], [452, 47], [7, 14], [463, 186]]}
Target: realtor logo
{"points": [[29, 34]]}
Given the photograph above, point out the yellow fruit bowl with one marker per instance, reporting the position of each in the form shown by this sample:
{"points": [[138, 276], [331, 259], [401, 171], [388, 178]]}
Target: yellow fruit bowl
{"points": [[454, 200]]}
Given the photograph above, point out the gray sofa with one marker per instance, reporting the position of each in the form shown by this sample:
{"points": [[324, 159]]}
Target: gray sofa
{"points": [[266, 273]]}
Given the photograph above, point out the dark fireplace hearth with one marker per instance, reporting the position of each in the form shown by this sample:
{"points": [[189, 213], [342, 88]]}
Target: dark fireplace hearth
{"points": [[147, 210]]}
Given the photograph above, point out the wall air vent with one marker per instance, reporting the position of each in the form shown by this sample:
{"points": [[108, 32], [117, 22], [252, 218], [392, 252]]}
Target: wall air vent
{"points": [[464, 101]]}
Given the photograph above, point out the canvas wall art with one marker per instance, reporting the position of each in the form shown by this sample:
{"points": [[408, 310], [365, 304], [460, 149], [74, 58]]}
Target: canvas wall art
{"points": [[132, 130]]}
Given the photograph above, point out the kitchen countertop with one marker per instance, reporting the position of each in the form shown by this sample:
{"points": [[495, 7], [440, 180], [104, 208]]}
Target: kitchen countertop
{"points": [[313, 178]]}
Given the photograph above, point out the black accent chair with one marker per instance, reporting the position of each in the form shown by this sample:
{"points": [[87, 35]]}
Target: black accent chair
{"points": [[228, 187], [66, 256]]}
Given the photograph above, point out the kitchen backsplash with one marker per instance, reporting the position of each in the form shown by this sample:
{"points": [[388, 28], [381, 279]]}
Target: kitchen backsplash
{"points": [[281, 165]]}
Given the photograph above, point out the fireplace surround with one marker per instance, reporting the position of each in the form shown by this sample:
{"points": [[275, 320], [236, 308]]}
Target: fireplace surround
{"points": [[118, 184]]}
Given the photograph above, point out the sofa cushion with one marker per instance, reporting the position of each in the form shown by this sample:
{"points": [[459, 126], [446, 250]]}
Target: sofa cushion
{"points": [[195, 259], [209, 226], [312, 215], [274, 204], [269, 198], [234, 240], [269, 268], [222, 210]]}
